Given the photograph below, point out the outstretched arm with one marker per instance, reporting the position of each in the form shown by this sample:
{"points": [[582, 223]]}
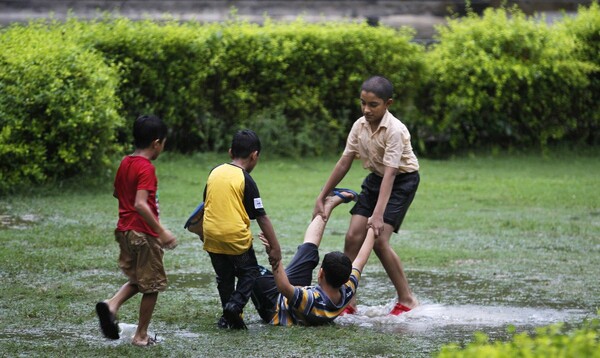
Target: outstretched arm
{"points": [[281, 280], [365, 250], [340, 170], [268, 233]]}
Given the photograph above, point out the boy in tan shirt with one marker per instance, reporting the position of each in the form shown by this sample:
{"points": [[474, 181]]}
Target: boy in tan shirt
{"points": [[383, 145]]}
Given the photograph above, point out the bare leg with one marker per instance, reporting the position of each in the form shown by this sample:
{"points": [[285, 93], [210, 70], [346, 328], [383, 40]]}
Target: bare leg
{"points": [[354, 239], [316, 228], [146, 309], [393, 266], [126, 291], [355, 236]]}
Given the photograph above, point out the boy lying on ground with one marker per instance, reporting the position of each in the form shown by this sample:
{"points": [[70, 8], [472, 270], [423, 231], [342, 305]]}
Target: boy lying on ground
{"points": [[285, 297]]}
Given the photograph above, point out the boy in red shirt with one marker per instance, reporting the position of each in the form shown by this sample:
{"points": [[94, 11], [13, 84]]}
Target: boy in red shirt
{"points": [[140, 235]]}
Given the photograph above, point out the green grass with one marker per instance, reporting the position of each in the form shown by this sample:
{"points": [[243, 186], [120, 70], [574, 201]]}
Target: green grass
{"points": [[504, 230]]}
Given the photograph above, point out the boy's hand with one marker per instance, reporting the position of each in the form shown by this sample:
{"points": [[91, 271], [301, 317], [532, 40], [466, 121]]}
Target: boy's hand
{"points": [[375, 223], [167, 240], [274, 257], [265, 243], [319, 210]]}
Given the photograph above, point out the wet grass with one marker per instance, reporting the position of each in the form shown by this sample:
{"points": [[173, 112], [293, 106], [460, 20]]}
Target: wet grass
{"points": [[500, 231]]}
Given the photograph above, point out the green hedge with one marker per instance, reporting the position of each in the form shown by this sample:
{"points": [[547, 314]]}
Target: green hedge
{"points": [[58, 108], [297, 83], [551, 341], [584, 31], [164, 68], [70, 90], [502, 79]]}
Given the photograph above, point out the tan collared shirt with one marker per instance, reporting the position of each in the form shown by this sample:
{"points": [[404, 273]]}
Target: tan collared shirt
{"points": [[388, 146]]}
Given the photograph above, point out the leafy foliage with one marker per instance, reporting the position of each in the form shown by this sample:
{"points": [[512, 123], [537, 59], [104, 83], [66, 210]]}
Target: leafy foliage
{"points": [[502, 78], [584, 31], [550, 341], [206, 80], [58, 109], [70, 90]]}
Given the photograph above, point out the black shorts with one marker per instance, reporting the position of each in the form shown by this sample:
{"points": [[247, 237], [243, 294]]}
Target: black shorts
{"points": [[299, 273], [403, 192]]}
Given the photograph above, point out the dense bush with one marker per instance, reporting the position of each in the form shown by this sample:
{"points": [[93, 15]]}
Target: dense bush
{"points": [[58, 109], [584, 31], [551, 341], [164, 67], [308, 74], [497, 79], [206, 80], [501, 79]]}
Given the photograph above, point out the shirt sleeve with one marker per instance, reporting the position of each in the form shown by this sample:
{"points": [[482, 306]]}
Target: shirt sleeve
{"points": [[303, 300], [351, 148], [392, 155], [252, 201], [147, 178], [354, 278]]}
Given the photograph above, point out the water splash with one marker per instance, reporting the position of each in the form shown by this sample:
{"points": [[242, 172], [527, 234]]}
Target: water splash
{"points": [[472, 317]]}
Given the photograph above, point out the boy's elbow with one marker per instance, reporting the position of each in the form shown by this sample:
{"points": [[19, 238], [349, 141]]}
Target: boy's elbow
{"points": [[139, 207]]}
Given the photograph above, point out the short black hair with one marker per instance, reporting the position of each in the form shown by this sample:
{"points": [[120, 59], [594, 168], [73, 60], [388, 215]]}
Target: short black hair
{"points": [[379, 85], [337, 268], [244, 142], [146, 129]]}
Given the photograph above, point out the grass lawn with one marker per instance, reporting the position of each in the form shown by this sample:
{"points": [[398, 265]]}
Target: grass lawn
{"points": [[518, 231]]}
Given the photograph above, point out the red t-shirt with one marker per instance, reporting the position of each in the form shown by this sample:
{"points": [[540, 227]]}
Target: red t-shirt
{"points": [[135, 173]]}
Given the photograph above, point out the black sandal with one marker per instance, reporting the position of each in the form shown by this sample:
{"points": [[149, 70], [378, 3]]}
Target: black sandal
{"points": [[108, 322]]}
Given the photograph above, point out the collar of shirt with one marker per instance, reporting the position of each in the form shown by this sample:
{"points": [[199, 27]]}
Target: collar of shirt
{"points": [[384, 123]]}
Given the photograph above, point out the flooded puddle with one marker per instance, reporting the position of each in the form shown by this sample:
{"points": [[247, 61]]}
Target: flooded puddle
{"points": [[428, 317], [453, 307], [17, 222], [185, 281]]}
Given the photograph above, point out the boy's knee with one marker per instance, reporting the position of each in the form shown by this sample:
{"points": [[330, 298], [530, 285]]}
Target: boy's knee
{"points": [[381, 245]]}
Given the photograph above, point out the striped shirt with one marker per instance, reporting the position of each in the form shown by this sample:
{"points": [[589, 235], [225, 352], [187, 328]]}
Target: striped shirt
{"points": [[311, 306]]}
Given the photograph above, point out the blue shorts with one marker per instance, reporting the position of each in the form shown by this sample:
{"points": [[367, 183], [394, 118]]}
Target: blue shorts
{"points": [[299, 273], [403, 192]]}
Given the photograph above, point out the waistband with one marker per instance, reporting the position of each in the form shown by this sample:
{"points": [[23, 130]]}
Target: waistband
{"points": [[402, 175]]}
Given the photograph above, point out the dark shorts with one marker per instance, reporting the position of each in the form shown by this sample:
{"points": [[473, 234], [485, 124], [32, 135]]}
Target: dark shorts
{"points": [[403, 192], [299, 273]]}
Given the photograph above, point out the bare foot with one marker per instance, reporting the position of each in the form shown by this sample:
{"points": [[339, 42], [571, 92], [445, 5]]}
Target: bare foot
{"points": [[149, 341], [412, 303]]}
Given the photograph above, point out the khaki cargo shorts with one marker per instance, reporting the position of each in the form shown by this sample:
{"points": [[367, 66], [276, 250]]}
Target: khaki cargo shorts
{"points": [[141, 260]]}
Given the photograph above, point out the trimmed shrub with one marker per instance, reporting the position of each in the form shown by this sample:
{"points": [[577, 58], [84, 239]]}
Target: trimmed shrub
{"points": [[584, 30], [500, 79], [208, 80], [164, 66], [550, 341], [58, 109]]}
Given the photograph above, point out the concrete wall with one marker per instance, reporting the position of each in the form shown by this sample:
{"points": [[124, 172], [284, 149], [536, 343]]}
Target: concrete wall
{"points": [[421, 15]]}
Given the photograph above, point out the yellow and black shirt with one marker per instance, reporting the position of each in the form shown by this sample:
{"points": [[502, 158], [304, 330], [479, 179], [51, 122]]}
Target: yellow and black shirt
{"points": [[231, 200]]}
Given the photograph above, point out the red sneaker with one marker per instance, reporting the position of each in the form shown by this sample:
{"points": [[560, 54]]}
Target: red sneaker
{"points": [[348, 310], [399, 309]]}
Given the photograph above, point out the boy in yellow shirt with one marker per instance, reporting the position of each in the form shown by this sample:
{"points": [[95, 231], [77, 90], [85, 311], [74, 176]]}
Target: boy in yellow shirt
{"points": [[231, 200]]}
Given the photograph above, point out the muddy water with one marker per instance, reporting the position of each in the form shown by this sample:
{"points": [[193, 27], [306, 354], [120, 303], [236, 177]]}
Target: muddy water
{"points": [[453, 307], [17, 222]]}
